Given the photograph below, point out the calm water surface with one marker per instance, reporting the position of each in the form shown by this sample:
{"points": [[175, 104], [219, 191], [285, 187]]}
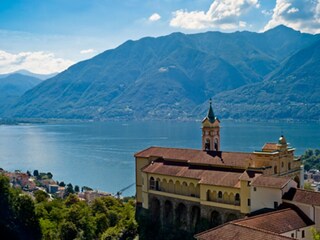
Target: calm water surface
{"points": [[100, 154]]}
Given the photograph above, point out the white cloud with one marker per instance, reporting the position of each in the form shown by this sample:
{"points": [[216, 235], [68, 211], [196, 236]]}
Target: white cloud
{"points": [[36, 62], [87, 51], [293, 10], [266, 12], [163, 69], [242, 24], [297, 14], [224, 14], [154, 17]]}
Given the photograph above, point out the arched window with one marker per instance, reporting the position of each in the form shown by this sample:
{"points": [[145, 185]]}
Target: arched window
{"points": [[220, 194], [152, 183], [216, 145], [157, 184], [237, 199], [207, 145], [208, 195]]}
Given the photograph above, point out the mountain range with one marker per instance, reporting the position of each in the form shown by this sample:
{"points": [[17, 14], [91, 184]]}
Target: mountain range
{"points": [[30, 74], [13, 86], [273, 74]]}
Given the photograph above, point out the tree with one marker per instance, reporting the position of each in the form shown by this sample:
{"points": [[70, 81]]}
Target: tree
{"points": [[49, 229], [71, 200], [68, 231], [130, 229], [111, 233], [315, 234], [102, 223], [36, 173], [98, 206], [85, 188], [113, 217], [62, 184], [105, 218], [5, 213], [41, 196], [25, 215], [76, 188], [309, 153], [49, 174], [68, 190], [307, 186], [311, 159]]}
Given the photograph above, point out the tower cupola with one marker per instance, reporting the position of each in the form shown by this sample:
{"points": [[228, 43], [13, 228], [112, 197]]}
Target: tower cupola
{"points": [[210, 116], [210, 131]]}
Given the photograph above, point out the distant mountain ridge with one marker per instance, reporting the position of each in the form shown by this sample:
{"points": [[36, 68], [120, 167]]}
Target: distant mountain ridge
{"points": [[30, 74], [14, 86], [172, 77]]}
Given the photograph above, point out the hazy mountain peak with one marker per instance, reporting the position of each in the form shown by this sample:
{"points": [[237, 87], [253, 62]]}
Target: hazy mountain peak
{"points": [[31, 74]]}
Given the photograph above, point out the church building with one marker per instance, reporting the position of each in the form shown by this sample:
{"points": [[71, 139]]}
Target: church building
{"points": [[180, 186]]}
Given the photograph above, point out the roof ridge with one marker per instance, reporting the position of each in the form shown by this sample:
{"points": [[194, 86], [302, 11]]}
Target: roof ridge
{"points": [[262, 215], [183, 148], [274, 177], [209, 230], [262, 230], [305, 190], [143, 150]]}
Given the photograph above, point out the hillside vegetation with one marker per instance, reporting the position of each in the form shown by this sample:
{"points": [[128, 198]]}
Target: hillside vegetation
{"points": [[311, 159], [23, 218], [249, 75]]}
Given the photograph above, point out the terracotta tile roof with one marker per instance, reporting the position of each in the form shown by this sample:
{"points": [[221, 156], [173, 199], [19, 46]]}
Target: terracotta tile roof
{"points": [[231, 231], [265, 226], [194, 156], [280, 221], [270, 182], [249, 175], [173, 170], [219, 178], [210, 177], [270, 147], [302, 196]]}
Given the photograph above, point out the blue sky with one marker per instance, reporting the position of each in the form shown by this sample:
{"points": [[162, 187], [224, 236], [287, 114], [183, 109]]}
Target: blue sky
{"points": [[47, 36]]}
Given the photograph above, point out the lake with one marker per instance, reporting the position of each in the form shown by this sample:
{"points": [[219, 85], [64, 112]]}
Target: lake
{"points": [[100, 154]]}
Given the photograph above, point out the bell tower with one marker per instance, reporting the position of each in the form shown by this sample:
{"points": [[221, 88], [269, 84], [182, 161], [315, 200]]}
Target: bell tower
{"points": [[210, 131]]}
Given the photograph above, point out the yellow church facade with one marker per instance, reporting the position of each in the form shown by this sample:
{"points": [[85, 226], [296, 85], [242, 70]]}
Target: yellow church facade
{"points": [[181, 186]]}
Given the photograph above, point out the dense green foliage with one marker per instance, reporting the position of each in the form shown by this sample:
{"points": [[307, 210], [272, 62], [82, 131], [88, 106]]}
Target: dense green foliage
{"points": [[17, 214], [315, 234], [104, 218], [172, 76], [311, 159]]}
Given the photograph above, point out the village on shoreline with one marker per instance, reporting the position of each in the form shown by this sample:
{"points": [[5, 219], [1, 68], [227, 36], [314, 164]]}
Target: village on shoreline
{"points": [[30, 183]]}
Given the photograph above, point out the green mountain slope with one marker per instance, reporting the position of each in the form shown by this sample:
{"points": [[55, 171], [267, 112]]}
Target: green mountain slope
{"points": [[165, 77], [291, 91]]}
